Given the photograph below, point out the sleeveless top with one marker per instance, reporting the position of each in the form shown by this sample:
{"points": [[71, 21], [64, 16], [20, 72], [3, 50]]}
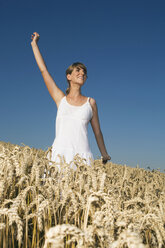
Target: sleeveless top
{"points": [[71, 132]]}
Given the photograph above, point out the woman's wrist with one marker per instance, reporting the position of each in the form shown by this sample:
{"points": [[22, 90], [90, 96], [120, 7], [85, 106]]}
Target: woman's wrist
{"points": [[104, 154], [34, 43], [106, 157]]}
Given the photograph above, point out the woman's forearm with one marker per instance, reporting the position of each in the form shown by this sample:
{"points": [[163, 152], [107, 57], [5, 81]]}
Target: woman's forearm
{"points": [[39, 59], [100, 143]]}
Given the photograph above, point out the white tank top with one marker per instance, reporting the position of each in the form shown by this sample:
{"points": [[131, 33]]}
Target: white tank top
{"points": [[71, 132]]}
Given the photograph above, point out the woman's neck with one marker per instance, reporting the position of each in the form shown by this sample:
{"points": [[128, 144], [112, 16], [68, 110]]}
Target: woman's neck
{"points": [[75, 92]]}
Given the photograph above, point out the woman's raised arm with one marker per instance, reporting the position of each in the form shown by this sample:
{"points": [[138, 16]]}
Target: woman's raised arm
{"points": [[54, 91]]}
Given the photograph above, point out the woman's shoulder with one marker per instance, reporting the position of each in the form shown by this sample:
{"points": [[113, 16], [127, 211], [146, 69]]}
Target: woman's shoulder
{"points": [[92, 101]]}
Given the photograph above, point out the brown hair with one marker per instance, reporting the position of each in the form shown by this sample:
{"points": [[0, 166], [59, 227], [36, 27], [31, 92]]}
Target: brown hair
{"points": [[71, 68]]}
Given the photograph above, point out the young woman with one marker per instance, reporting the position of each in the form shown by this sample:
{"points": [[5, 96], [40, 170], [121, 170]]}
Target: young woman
{"points": [[74, 113]]}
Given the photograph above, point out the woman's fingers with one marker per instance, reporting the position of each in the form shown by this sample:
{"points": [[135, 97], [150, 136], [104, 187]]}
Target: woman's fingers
{"points": [[105, 159], [35, 36]]}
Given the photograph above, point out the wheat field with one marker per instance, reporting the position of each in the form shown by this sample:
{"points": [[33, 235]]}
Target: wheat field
{"points": [[103, 206]]}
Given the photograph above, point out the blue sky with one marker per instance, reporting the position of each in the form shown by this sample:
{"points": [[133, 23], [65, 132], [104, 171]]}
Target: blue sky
{"points": [[122, 44]]}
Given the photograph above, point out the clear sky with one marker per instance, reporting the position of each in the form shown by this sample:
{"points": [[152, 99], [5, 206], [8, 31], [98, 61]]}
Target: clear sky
{"points": [[122, 43]]}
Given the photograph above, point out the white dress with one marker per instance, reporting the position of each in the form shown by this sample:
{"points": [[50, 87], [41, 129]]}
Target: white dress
{"points": [[71, 132]]}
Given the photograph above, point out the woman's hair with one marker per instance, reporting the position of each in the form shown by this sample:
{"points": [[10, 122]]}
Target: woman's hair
{"points": [[71, 68]]}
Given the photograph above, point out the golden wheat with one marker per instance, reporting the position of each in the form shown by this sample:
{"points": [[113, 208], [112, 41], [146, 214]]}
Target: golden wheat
{"points": [[103, 206]]}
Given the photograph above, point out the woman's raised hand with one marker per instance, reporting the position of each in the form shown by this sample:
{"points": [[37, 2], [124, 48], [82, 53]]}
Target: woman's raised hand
{"points": [[35, 37]]}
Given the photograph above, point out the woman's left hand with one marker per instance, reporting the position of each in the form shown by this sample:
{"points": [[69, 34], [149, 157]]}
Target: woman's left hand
{"points": [[105, 158]]}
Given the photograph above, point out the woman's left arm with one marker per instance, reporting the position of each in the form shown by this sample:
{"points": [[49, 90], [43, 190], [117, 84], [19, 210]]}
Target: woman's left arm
{"points": [[97, 131]]}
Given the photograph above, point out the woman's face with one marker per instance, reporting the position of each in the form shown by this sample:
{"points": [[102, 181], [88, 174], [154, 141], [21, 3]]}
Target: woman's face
{"points": [[78, 76]]}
